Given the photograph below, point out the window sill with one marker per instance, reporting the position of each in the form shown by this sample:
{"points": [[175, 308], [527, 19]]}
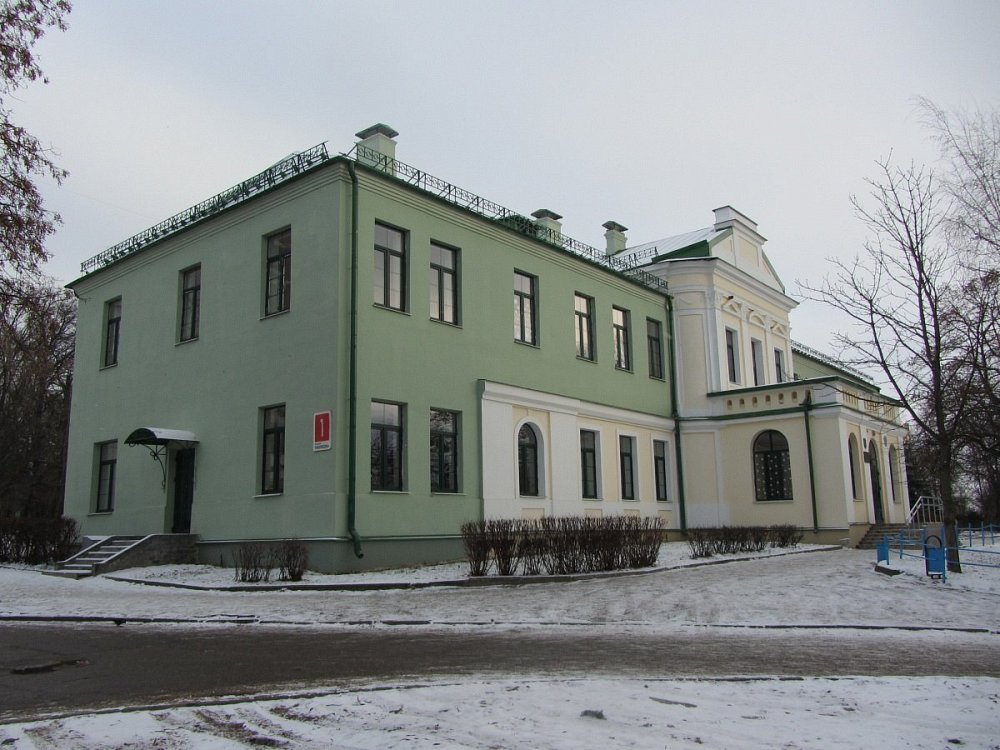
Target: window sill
{"points": [[591, 360], [447, 494], [186, 341], [445, 323], [390, 492], [109, 367], [773, 502], [101, 512], [266, 495], [396, 310], [592, 499], [529, 344], [661, 378], [624, 369], [279, 313]]}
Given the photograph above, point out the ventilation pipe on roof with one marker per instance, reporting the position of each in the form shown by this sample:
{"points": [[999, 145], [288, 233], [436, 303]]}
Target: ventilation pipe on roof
{"points": [[615, 237], [377, 147], [547, 223]]}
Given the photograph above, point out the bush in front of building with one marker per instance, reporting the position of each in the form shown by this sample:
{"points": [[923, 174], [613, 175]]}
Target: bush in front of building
{"points": [[33, 541], [731, 540], [291, 557], [561, 545], [253, 562]]}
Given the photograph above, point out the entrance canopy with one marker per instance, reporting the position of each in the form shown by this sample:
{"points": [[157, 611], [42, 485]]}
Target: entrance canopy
{"points": [[161, 436]]}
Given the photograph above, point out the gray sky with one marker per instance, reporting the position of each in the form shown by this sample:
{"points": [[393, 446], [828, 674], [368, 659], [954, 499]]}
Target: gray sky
{"points": [[647, 113]]}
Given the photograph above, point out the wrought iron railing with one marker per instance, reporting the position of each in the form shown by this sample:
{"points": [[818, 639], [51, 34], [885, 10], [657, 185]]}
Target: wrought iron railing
{"points": [[298, 163], [270, 177], [490, 210]]}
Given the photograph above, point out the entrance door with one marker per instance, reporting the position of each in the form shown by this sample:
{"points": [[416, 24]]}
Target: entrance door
{"points": [[183, 490], [876, 484]]}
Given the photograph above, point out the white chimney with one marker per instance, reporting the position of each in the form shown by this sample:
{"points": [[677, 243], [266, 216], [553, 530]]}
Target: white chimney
{"points": [[377, 147], [547, 220], [615, 237]]}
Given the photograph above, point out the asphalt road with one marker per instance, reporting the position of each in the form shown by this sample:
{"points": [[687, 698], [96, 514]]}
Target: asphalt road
{"points": [[60, 669]]}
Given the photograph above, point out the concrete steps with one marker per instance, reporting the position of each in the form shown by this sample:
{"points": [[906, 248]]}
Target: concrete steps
{"points": [[89, 561], [879, 531]]}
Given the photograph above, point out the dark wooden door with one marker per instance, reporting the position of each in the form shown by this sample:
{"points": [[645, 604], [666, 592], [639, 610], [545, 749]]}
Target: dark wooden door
{"points": [[183, 490]]}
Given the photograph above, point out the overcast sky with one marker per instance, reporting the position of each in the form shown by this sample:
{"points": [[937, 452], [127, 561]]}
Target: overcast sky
{"points": [[648, 113]]}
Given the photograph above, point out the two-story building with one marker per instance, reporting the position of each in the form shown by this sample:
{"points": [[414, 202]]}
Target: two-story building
{"points": [[349, 351]]}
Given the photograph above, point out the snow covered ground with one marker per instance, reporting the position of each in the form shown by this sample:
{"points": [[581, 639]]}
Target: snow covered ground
{"points": [[530, 711], [550, 714]]}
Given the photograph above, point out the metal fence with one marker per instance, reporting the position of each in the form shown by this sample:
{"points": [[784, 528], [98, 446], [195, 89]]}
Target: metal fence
{"points": [[918, 544]]}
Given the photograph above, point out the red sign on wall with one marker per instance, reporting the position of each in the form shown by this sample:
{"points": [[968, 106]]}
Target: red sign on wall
{"points": [[322, 429]]}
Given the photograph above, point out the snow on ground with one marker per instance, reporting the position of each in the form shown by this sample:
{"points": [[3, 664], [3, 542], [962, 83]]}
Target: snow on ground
{"points": [[836, 587], [564, 714]]}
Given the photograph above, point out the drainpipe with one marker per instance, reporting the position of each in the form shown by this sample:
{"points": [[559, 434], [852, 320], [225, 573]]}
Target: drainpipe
{"points": [[675, 413], [352, 442], [806, 408]]}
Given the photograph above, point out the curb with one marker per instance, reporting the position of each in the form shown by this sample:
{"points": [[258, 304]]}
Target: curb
{"points": [[480, 581]]}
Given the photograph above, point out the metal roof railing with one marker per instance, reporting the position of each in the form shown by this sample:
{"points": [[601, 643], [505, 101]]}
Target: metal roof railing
{"points": [[269, 178], [488, 209]]}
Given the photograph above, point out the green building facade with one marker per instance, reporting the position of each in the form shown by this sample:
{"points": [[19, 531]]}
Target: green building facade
{"points": [[339, 351]]}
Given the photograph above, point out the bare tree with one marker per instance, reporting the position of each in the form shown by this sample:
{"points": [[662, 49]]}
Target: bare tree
{"points": [[24, 221], [900, 293], [36, 364], [970, 148]]}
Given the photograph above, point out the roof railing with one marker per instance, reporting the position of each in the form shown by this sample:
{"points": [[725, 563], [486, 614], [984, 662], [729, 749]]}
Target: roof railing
{"points": [[269, 178], [418, 178], [828, 360], [488, 209]]}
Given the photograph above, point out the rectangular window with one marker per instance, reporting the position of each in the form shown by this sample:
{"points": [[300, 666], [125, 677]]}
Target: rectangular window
{"points": [[779, 366], [272, 474], [525, 292], [107, 463], [387, 446], [733, 355], [660, 470], [190, 303], [278, 282], [623, 347], [626, 457], [654, 346], [584, 327], [444, 284], [112, 331], [390, 268], [588, 464], [757, 354], [444, 451]]}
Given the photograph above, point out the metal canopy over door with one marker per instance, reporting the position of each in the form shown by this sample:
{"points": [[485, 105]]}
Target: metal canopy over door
{"points": [[163, 442]]}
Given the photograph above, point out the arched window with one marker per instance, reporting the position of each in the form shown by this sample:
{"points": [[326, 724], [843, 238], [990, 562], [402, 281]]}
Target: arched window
{"points": [[772, 467], [527, 461], [854, 460]]}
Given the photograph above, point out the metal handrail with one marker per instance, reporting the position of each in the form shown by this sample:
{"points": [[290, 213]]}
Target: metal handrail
{"points": [[927, 509]]}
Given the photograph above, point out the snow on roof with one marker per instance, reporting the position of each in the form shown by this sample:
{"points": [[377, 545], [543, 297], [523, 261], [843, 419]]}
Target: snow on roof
{"points": [[649, 250]]}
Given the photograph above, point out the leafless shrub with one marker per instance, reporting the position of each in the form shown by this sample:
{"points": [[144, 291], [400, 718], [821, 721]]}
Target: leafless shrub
{"points": [[252, 562], [291, 558]]}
